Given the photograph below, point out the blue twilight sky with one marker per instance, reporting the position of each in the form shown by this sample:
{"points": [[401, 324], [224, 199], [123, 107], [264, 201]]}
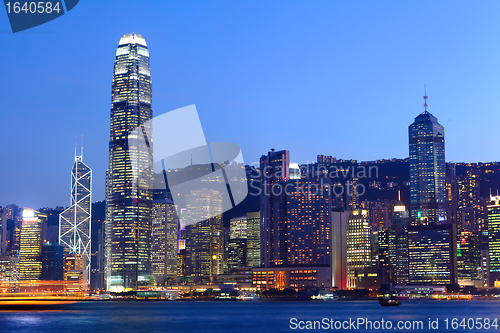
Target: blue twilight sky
{"points": [[341, 78]]}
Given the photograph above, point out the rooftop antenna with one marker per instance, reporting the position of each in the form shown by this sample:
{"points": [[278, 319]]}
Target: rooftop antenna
{"points": [[425, 98], [399, 195]]}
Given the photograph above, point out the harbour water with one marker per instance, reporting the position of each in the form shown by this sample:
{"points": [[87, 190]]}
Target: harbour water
{"points": [[255, 317]]}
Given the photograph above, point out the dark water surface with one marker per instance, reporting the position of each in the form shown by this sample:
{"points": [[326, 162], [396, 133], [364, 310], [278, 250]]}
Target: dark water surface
{"points": [[255, 317]]}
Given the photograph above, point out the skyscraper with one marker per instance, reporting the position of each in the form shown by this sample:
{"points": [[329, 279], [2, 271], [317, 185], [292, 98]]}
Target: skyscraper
{"points": [[204, 240], [274, 175], [129, 177], [432, 254], [165, 240], [308, 223], [340, 223], [494, 240], [253, 237], [359, 247], [427, 169], [74, 222], [30, 252]]}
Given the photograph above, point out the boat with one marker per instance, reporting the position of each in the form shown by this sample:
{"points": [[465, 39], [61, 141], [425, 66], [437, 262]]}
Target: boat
{"points": [[35, 304], [389, 301]]}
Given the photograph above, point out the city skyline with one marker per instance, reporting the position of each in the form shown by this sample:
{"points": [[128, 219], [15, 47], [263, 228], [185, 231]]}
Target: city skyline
{"points": [[364, 66]]}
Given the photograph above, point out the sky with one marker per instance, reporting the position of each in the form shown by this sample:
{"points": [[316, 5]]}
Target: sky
{"points": [[339, 78]]}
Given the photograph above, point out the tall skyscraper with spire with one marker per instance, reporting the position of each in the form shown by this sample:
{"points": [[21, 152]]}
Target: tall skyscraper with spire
{"points": [[129, 177], [75, 222], [427, 169]]}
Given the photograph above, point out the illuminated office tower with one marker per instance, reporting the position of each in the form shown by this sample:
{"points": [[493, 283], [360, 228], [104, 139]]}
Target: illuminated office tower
{"points": [[74, 222], [308, 223], [129, 177], [30, 263], [427, 169], [494, 240], [205, 239], [253, 239], [359, 247], [432, 254], [238, 227], [164, 240], [274, 175]]}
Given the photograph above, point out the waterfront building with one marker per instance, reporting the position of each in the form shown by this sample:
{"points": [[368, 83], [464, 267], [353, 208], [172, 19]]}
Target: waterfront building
{"points": [[292, 277]]}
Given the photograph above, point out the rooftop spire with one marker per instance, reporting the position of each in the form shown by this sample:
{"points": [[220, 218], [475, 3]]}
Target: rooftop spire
{"points": [[425, 98]]}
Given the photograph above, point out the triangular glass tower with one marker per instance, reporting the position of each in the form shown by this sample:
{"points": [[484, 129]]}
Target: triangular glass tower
{"points": [[74, 222]]}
